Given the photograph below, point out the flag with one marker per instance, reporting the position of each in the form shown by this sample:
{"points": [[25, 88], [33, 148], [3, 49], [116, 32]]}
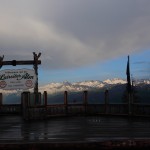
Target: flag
{"points": [[128, 76]]}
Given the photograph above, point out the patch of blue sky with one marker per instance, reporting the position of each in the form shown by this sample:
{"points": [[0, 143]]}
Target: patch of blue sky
{"points": [[115, 68], [140, 65]]}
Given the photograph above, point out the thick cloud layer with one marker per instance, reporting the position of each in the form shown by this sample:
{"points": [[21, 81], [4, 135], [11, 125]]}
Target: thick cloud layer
{"points": [[73, 33]]}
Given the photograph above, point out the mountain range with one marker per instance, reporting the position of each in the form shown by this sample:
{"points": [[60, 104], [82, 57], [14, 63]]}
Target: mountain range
{"points": [[87, 85], [55, 90], [80, 86]]}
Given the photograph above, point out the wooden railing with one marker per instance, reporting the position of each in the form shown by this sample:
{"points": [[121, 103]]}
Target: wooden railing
{"points": [[42, 110], [78, 109], [10, 109], [140, 109]]}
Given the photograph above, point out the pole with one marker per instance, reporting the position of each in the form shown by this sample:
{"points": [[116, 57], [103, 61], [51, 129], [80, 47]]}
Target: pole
{"points": [[85, 101], [35, 66], [1, 99], [66, 102], [106, 101], [45, 102], [45, 98], [129, 91]]}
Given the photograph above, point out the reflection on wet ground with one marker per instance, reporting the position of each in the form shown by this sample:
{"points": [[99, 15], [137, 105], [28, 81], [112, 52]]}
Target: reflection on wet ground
{"points": [[73, 129]]}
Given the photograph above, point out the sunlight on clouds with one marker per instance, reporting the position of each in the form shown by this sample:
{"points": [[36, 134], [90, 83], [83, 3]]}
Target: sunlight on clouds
{"points": [[74, 35]]}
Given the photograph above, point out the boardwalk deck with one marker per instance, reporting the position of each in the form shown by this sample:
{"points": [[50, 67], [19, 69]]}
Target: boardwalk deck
{"points": [[77, 132]]}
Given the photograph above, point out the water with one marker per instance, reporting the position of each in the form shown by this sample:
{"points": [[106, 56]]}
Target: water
{"points": [[73, 129]]}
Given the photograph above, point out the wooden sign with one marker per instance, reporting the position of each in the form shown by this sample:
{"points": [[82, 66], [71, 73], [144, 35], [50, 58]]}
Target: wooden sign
{"points": [[17, 79]]}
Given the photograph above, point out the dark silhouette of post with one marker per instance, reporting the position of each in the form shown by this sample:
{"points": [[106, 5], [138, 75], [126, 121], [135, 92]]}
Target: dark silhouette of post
{"points": [[45, 98], [85, 101], [129, 90], [106, 101], [66, 102], [128, 76], [1, 61], [35, 66], [45, 102], [1, 99], [25, 100]]}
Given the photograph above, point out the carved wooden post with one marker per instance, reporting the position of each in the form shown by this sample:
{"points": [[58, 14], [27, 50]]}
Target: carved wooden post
{"points": [[106, 101], [1, 61], [36, 57], [85, 101], [66, 102]]}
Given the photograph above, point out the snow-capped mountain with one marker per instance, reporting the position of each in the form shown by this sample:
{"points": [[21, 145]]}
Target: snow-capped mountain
{"points": [[147, 81], [142, 81], [80, 86], [67, 86], [115, 81], [53, 89], [85, 85], [97, 84]]}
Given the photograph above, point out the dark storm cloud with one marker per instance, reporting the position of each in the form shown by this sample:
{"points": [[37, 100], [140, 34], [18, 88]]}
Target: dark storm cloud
{"points": [[73, 33]]}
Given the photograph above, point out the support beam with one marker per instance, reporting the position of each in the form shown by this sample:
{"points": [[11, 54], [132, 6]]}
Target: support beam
{"points": [[14, 62]]}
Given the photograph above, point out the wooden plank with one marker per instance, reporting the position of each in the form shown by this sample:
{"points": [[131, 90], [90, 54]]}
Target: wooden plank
{"points": [[14, 62]]}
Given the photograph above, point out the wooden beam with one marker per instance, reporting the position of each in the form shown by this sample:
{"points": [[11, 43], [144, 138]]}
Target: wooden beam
{"points": [[14, 62]]}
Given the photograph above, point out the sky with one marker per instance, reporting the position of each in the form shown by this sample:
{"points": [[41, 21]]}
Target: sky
{"points": [[79, 39]]}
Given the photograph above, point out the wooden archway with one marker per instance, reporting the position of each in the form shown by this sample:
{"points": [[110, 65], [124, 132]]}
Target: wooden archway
{"points": [[35, 62]]}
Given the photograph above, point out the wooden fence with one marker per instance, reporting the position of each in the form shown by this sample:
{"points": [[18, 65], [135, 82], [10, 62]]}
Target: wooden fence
{"points": [[40, 109]]}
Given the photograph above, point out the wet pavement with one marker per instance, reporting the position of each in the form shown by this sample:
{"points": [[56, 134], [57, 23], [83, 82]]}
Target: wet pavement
{"points": [[73, 129]]}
